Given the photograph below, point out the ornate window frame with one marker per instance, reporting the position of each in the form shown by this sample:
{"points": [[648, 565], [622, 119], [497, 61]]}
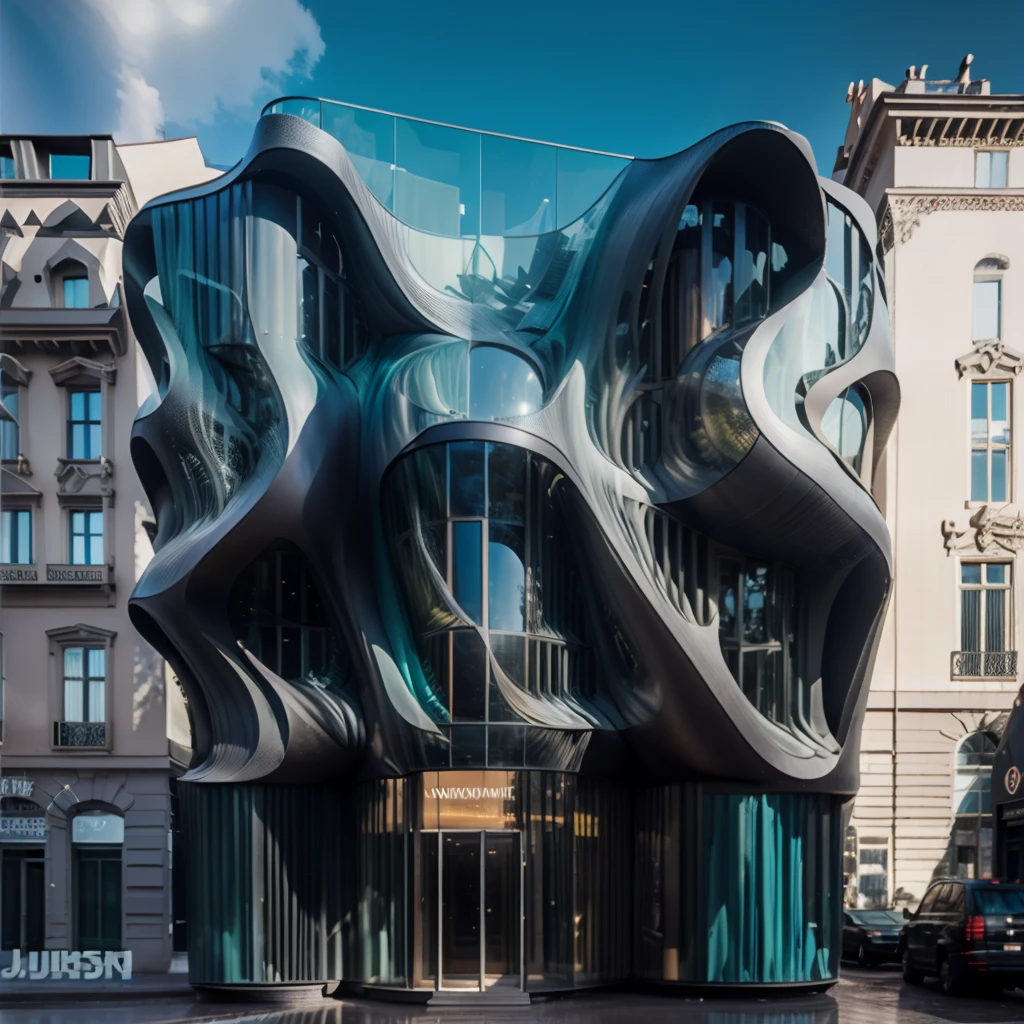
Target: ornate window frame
{"points": [[80, 635]]}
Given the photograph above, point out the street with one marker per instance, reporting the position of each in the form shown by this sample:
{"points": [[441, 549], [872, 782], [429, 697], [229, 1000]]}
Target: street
{"points": [[874, 996]]}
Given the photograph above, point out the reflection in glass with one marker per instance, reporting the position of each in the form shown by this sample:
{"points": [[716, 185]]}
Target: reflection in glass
{"points": [[582, 179], [506, 579], [519, 185], [502, 383], [467, 569], [437, 178], [990, 441], [369, 140], [845, 425]]}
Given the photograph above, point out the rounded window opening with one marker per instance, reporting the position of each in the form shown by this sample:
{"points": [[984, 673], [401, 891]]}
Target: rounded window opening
{"points": [[97, 827], [845, 425], [501, 384]]}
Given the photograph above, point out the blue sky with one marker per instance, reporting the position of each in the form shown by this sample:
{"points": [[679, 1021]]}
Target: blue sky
{"points": [[640, 77]]}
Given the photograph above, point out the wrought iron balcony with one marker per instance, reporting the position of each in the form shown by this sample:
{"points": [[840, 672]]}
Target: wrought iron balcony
{"points": [[79, 734], [984, 665]]}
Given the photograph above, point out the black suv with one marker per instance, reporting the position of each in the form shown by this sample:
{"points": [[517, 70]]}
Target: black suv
{"points": [[969, 933]]}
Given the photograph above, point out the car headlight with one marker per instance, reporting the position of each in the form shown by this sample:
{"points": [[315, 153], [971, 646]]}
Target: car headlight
{"points": [[874, 935]]}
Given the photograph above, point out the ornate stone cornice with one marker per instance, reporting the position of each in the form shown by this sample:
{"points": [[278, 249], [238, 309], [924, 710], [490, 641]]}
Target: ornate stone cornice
{"points": [[990, 358], [986, 530], [903, 213], [73, 474]]}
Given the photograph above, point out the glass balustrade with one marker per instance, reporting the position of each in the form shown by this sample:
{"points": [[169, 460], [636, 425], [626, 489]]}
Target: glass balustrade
{"points": [[460, 183]]}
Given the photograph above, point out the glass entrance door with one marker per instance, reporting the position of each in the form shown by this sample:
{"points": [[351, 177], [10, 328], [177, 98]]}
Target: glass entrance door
{"points": [[480, 913], [22, 896]]}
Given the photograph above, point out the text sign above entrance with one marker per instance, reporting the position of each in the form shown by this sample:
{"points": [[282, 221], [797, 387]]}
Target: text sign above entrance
{"points": [[16, 787], [478, 799]]}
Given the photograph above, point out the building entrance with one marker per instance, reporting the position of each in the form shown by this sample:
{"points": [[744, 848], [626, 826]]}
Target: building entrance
{"points": [[22, 898], [480, 920]]}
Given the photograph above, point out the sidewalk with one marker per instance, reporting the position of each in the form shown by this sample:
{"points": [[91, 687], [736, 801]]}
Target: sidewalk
{"points": [[145, 986]]}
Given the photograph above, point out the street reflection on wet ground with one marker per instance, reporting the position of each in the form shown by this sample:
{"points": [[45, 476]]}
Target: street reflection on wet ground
{"points": [[861, 997]]}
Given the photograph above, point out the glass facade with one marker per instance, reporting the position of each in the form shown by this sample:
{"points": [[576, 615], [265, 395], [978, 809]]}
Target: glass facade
{"points": [[670, 884], [16, 536], [85, 424], [461, 183]]}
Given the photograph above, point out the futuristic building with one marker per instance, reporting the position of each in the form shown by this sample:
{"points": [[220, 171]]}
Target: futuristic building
{"points": [[516, 551]]}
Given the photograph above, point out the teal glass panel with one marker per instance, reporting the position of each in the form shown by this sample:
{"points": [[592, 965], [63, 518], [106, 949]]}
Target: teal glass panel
{"points": [[467, 569], [466, 478], [582, 179], [506, 578], [986, 310], [10, 432], [76, 293], [369, 140], [519, 185], [1000, 426], [998, 476], [979, 476], [437, 178], [502, 383], [970, 572], [298, 106], [979, 413], [6, 167], [773, 869], [69, 166]]}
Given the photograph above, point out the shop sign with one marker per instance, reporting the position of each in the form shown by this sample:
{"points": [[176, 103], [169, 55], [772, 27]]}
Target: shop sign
{"points": [[17, 828], [469, 799], [16, 787], [58, 964]]}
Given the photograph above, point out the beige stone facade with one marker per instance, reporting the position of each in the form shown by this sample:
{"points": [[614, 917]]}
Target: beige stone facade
{"points": [[94, 728], [942, 165]]}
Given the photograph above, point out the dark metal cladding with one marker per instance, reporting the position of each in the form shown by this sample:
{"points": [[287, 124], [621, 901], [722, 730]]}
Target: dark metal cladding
{"points": [[596, 500]]}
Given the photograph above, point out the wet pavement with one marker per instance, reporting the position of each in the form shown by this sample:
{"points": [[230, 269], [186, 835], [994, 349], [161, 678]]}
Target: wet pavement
{"points": [[875, 996]]}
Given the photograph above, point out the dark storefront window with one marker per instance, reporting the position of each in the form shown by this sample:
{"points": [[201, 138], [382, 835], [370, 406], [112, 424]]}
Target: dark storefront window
{"points": [[97, 837], [22, 885]]}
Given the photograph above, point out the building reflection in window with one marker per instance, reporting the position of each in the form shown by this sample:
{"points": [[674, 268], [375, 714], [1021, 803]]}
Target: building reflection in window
{"points": [[971, 851], [846, 425]]}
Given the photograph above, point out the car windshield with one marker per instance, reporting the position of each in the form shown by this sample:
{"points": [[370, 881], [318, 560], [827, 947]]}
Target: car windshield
{"points": [[1000, 899], [876, 918]]}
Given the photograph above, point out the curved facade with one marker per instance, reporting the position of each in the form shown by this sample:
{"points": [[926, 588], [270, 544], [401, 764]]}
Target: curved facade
{"points": [[516, 550]]}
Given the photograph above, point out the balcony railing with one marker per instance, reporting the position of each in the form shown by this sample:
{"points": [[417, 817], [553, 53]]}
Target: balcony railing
{"points": [[984, 665], [79, 734]]}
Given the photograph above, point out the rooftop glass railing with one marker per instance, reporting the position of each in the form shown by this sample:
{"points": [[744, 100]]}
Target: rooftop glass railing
{"points": [[457, 182]]}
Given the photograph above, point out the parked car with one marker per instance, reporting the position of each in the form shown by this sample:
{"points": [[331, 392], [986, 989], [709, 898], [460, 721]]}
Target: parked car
{"points": [[872, 936], [968, 933]]}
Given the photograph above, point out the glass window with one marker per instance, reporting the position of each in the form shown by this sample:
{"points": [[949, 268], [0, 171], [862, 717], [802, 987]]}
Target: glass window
{"points": [[69, 166], [718, 274], [6, 167], [97, 827], [502, 383], [985, 609], [309, 306], [467, 569], [972, 805], [990, 167], [86, 546], [85, 682], [755, 624], [437, 178], [845, 424], [85, 425], [10, 431], [987, 296], [76, 292], [990, 441], [16, 536], [519, 184]]}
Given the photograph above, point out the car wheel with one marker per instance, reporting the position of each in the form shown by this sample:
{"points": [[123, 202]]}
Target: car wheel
{"points": [[911, 974], [948, 979], [863, 957]]}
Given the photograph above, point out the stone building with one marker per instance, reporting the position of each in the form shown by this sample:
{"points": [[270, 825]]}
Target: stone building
{"points": [[941, 164], [94, 730]]}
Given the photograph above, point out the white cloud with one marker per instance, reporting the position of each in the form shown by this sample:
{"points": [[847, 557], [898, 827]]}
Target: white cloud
{"points": [[183, 60]]}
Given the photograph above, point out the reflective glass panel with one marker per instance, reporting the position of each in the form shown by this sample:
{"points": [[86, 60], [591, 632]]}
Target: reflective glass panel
{"points": [[979, 413], [1000, 163], [10, 436], [437, 178], [752, 239], [502, 383], [467, 569], [76, 292], [970, 572], [582, 179], [298, 106], [97, 827], [979, 476], [998, 476], [519, 184], [506, 482], [506, 578], [1000, 426], [466, 471], [718, 274], [16, 536], [995, 572], [369, 140], [469, 677], [6, 167], [70, 167], [755, 610]]}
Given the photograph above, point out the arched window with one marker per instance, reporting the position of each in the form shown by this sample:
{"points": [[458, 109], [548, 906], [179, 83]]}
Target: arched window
{"points": [[70, 281], [972, 808], [988, 287]]}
